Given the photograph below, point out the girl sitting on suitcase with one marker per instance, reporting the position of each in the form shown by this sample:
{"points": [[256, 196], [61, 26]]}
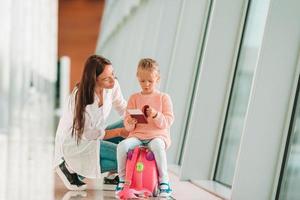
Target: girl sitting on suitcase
{"points": [[155, 133]]}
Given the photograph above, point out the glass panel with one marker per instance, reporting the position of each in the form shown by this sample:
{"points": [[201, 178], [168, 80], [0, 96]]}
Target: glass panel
{"points": [[238, 104], [291, 176], [4, 63]]}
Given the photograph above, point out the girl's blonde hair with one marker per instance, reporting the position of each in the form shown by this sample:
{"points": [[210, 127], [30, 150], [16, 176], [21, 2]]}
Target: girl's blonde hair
{"points": [[149, 65]]}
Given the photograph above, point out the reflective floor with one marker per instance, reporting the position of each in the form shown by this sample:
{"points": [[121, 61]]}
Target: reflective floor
{"points": [[26, 153]]}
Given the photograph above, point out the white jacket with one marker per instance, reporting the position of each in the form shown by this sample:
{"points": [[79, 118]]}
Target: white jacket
{"points": [[83, 158]]}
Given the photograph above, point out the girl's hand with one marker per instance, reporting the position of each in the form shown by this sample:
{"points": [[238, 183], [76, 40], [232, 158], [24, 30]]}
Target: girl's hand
{"points": [[151, 112], [131, 121]]}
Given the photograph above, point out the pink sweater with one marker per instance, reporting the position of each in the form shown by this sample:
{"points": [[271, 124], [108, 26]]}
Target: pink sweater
{"points": [[157, 127]]}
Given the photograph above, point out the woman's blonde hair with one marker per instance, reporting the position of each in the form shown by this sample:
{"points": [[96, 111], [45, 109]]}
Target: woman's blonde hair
{"points": [[148, 64]]}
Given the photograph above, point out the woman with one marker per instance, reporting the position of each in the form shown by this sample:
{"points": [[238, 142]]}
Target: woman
{"points": [[79, 146]]}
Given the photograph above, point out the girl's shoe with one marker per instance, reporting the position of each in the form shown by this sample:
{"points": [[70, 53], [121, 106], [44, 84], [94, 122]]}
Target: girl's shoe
{"points": [[119, 187], [164, 190]]}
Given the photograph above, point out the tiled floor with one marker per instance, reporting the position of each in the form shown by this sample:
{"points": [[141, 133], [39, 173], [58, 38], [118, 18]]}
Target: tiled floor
{"points": [[26, 152], [181, 191]]}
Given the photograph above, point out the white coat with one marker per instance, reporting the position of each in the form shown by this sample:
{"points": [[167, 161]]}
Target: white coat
{"points": [[83, 158]]}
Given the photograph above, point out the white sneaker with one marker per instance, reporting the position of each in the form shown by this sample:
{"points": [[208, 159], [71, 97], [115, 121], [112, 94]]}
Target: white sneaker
{"points": [[70, 180], [164, 190], [110, 182]]}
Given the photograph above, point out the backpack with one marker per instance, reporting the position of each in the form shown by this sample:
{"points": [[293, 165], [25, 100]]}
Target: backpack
{"points": [[141, 176]]}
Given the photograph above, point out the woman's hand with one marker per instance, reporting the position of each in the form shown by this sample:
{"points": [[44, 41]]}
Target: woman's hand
{"points": [[151, 112], [123, 133], [116, 132]]}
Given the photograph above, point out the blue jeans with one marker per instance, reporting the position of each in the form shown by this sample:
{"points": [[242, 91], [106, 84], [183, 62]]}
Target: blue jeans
{"points": [[108, 150]]}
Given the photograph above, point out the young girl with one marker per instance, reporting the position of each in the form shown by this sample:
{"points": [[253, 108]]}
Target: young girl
{"points": [[155, 134]]}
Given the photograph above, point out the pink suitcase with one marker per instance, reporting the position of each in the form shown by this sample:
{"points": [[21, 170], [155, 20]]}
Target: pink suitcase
{"points": [[141, 179]]}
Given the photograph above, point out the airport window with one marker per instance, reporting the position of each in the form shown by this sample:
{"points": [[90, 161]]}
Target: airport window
{"points": [[240, 91], [288, 187]]}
